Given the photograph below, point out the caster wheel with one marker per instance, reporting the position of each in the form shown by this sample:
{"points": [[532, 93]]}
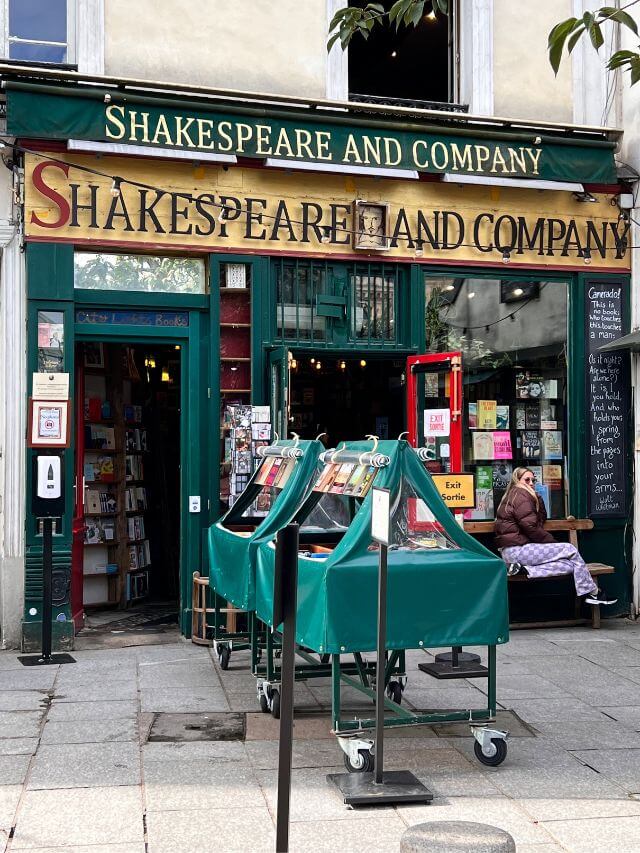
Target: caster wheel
{"points": [[363, 763], [394, 692], [223, 657], [275, 705], [498, 756], [264, 705]]}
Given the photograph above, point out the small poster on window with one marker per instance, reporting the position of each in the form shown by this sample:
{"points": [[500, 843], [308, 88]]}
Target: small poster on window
{"points": [[437, 422]]}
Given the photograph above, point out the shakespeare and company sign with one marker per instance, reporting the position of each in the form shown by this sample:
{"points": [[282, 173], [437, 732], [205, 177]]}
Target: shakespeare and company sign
{"points": [[290, 135], [268, 211]]}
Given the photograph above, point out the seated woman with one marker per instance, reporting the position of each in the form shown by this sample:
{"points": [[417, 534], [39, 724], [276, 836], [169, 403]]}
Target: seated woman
{"points": [[526, 546]]}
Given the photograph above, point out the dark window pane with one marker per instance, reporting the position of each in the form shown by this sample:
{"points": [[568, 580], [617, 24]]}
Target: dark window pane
{"points": [[37, 52], [44, 20]]}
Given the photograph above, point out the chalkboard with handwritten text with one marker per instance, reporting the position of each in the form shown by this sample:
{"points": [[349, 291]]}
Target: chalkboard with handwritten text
{"points": [[607, 400]]}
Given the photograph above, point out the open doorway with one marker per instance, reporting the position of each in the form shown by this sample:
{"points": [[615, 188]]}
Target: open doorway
{"points": [[347, 398], [126, 561]]}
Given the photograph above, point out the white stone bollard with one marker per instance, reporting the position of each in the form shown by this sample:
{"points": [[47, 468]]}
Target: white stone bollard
{"points": [[456, 836]]}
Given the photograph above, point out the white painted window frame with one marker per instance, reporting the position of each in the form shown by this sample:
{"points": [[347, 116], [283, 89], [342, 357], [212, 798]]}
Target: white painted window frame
{"points": [[472, 57], [85, 34]]}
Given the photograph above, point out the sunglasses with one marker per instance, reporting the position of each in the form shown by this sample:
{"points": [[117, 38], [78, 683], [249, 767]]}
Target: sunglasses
{"points": [[529, 480]]}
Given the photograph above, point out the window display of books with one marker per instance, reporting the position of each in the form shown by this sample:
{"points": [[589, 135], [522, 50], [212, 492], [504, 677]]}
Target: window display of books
{"points": [[522, 426], [247, 429]]}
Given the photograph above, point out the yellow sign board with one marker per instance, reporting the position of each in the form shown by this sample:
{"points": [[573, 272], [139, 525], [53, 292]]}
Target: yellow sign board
{"points": [[209, 208], [456, 490]]}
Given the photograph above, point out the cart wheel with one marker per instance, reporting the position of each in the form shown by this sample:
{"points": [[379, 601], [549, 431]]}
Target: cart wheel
{"points": [[394, 692], [223, 657], [491, 760], [264, 705], [363, 763], [275, 704]]}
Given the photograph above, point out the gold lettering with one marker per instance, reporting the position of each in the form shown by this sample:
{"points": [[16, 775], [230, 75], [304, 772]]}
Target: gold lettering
{"points": [[422, 144], [303, 143], [162, 129], [440, 146], [263, 139], [205, 128], [142, 125], [389, 143], [244, 133], [482, 156], [224, 128], [323, 138], [517, 160], [534, 154], [351, 152], [111, 116], [182, 135], [498, 159], [461, 161], [283, 144], [370, 150]]}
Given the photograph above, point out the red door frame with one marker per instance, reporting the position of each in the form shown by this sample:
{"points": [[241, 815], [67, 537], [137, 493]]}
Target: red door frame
{"points": [[442, 360], [77, 525]]}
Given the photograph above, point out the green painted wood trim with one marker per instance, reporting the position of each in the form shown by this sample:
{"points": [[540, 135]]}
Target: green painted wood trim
{"points": [[576, 415], [49, 271], [126, 334], [214, 386], [141, 299]]}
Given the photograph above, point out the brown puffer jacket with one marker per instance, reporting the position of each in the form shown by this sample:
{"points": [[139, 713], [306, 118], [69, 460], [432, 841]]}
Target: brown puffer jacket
{"points": [[519, 521]]}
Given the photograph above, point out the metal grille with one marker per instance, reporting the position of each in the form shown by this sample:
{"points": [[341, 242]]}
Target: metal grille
{"points": [[324, 304], [409, 102]]}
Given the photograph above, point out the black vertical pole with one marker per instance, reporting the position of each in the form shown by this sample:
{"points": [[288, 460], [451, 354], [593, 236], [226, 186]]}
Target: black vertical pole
{"points": [[284, 611], [380, 668], [47, 569]]}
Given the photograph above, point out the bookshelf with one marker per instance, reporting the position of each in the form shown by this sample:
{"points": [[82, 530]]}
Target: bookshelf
{"points": [[116, 552], [235, 354]]}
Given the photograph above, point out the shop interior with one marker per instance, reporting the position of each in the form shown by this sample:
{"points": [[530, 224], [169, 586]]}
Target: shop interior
{"points": [[346, 398], [130, 450]]}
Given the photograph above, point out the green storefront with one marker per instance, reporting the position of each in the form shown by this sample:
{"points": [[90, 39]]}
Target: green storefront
{"points": [[186, 260]]}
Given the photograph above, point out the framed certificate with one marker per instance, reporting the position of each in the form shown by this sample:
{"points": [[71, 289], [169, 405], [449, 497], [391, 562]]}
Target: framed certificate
{"points": [[49, 424]]}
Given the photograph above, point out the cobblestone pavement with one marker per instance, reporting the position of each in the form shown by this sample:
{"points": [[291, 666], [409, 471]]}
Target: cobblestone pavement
{"points": [[78, 772]]}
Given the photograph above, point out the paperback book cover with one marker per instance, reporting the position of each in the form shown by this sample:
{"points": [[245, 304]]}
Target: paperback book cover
{"points": [[284, 472], [484, 477], [357, 475], [487, 414], [472, 409], [502, 445], [341, 478], [502, 472], [551, 444], [326, 478], [502, 417], [273, 472], [520, 416], [530, 448], [532, 415], [542, 491], [482, 445], [552, 476], [365, 484]]}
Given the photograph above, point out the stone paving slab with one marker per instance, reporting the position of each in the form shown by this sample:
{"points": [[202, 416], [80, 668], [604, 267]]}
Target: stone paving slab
{"points": [[128, 847], [178, 700], [20, 723], [23, 700], [85, 765], [542, 809], [83, 711], [91, 816], [628, 715], [180, 787], [589, 735], [597, 834], [18, 746], [382, 834], [111, 691], [9, 798], [90, 731], [567, 710], [13, 769], [201, 831], [621, 766]]}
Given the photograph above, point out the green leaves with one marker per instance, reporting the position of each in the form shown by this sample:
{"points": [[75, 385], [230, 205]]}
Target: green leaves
{"points": [[570, 31], [352, 19]]}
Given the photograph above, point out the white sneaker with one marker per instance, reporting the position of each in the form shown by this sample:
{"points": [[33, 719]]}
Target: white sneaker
{"points": [[599, 598]]}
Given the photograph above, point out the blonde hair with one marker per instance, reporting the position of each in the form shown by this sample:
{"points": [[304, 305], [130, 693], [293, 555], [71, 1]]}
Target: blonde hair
{"points": [[514, 482]]}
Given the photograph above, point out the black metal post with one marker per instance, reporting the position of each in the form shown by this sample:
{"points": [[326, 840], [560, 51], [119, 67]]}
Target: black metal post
{"points": [[380, 667], [284, 611], [47, 570]]}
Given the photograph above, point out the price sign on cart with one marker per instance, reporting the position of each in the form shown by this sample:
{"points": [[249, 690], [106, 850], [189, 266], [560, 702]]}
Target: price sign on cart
{"points": [[380, 515]]}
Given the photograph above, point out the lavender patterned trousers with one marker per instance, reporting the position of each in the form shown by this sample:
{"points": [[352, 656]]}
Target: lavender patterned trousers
{"points": [[544, 560]]}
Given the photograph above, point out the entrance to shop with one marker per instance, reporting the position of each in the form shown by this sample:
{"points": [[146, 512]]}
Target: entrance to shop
{"points": [[346, 397], [127, 526]]}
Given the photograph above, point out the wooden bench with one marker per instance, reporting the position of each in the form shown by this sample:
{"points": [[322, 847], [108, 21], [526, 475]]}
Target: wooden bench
{"points": [[556, 525]]}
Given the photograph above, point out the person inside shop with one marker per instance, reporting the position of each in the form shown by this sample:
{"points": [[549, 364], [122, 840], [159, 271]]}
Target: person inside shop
{"points": [[525, 545]]}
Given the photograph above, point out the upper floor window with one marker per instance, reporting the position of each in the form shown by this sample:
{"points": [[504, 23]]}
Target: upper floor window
{"points": [[41, 30], [412, 63]]}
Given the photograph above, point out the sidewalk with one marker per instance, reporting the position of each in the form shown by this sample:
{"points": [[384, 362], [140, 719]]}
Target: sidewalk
{"points": [[78, 773]]}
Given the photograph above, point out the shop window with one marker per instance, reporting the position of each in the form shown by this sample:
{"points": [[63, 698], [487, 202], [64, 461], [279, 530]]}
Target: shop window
{"points": [[139, 272], [374, 299], [514, 381], [41, 30], [298, 286], [50, 342], [411, 63]]}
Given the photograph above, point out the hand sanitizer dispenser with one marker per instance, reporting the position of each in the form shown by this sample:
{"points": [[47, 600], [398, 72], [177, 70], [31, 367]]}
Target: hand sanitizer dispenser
{"points": [[48, 486]]}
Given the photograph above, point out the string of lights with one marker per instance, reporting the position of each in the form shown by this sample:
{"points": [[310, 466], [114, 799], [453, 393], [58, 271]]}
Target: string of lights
{"points": [[225, 211]]}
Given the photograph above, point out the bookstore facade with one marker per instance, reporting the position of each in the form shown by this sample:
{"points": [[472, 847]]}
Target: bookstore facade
{"points": [[202, 305]]}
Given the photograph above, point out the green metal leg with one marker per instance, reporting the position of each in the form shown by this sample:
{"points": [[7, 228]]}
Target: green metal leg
{"points": [[491, 687], [271, 670], [335, 690]]}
